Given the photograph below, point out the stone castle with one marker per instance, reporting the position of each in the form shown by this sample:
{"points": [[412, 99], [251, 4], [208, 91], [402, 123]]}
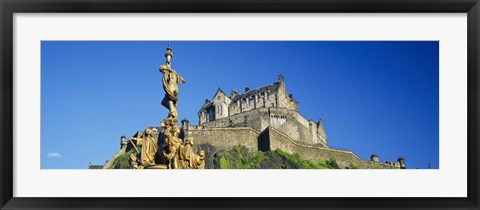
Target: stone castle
{"points": [[268, 106], [266, 119]]}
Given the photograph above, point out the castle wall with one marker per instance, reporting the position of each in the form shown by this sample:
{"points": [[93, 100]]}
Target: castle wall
{"points": [[213, 140], [224, 138], [288, 121], [344, 158]]}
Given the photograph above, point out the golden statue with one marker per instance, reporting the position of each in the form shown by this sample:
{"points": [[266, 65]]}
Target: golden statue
{"points": [[170, 80], [174, 153], [172, 143], [149, 150], [188, 157]]}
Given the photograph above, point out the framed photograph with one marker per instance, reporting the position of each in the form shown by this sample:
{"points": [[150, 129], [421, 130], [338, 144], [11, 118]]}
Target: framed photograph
{"points": [[239, 105]]}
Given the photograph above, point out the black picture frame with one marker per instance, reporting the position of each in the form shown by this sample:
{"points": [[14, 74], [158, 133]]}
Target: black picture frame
{"points": [[9, 7]]}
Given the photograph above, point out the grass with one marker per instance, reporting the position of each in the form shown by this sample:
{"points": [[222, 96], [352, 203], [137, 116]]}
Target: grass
{"points": [[240, 159], [223, 163], [123, 161], [302, 163], [353, 166]]}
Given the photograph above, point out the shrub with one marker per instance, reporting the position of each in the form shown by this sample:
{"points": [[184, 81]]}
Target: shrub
{"points": [[223, 163], [353, 166], [332, 163], [122, 161]]}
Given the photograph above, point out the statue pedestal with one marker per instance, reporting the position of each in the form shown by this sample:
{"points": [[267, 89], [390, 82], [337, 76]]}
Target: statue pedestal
{"points": [[157, 166]]}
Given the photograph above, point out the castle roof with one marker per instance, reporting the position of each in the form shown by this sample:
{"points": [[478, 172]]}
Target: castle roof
{"points": [[270, 88], [207, 104], [219, 90]]}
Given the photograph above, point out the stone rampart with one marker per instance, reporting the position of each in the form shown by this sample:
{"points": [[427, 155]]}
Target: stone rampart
{"points": [[288, 121], [344, 158], [270, 139], [225, 138]]}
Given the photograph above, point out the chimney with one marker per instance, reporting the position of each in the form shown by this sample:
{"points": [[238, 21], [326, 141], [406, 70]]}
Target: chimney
{"points": [[247, 89], [207, 101], [280, 78]]}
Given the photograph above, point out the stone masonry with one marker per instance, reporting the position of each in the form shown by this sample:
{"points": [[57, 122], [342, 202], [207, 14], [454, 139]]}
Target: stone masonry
{"points": [[260, 108]]}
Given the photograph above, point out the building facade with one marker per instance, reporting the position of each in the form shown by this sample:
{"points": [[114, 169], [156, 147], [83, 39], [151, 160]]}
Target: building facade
{"points": [[268, 106]]}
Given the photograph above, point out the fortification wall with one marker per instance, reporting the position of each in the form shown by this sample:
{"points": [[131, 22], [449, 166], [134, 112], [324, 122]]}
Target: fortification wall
{"points": [[255, 119], [287, 121], [344, 158], [270, 139], [225, 138]]}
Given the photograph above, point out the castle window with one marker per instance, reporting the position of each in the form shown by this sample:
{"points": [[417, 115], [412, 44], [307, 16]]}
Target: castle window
{"points": [[220, 109], [238, 103], [266, 96], [256, 98], [248, 101], [212, 115]]}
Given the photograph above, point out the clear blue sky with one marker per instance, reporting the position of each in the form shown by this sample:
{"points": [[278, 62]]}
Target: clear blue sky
{"points": [[373, 97]]}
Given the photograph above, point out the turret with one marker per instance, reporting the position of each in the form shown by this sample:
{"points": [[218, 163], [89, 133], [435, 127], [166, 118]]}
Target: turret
{"points": [[185, 124], [123, 140], [374, 158], [401, 160]]}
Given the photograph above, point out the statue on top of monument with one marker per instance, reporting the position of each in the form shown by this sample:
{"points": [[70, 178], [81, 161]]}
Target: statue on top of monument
{"points": [[174, 153], [170, 81]]}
